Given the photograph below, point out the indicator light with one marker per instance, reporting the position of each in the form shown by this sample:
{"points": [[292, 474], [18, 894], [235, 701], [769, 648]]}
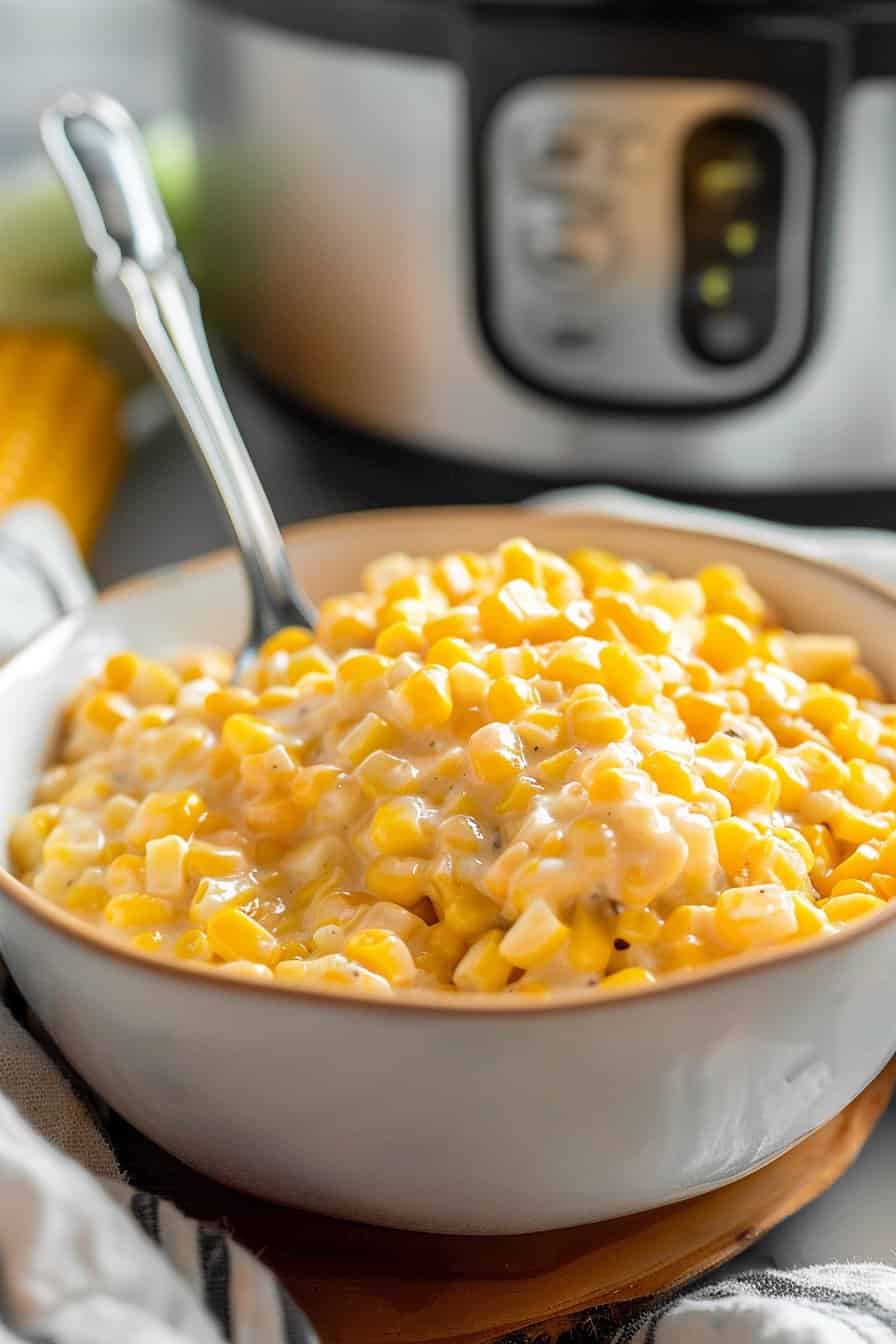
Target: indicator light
{"points": [[714, 286], [724, 177], [741, 237]]}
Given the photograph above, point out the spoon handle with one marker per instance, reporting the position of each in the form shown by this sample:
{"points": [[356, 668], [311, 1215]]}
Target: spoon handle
{"points": [[144, 284]]}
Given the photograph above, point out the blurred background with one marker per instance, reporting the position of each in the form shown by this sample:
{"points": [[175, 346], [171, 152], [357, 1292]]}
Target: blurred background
{"points": [[467, 253]]}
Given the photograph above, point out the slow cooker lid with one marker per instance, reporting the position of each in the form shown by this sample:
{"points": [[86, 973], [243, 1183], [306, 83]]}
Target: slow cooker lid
{"points": [[429, 28]]}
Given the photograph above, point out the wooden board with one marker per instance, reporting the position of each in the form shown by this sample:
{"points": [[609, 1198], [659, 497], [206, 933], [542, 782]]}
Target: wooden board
{"points": [[368, 1285]]}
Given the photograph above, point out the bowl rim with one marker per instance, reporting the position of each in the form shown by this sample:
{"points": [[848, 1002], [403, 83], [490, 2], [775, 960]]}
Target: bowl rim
{"points": [[465, 1004]]}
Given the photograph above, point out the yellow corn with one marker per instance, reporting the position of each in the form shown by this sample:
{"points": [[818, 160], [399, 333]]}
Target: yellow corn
{"points": [[483, 968], [127, 912], [852, 905], [235, 936], [384, 953], [496, 753], [61, 438], [590, 943], [535, 937], [479, 766], [632, 977], [399, 827]]}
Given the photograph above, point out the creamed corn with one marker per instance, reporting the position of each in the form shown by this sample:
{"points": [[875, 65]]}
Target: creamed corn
{"points": [[513, 772]]}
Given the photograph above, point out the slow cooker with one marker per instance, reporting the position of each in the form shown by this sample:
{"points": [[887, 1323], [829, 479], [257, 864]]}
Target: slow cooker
{"points": [[645, 241]]}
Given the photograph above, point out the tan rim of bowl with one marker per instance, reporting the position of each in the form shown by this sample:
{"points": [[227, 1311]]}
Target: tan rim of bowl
{"points": [[440, 1001]]}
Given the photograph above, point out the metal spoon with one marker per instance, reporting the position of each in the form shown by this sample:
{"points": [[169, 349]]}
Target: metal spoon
{"points": [[143, 282]]}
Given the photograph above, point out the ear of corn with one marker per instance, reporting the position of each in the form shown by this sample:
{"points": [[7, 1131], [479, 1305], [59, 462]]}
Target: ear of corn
{"points": [[60, 428]]}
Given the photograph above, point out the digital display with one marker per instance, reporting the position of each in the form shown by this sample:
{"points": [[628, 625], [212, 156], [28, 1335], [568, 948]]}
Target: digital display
{"points": [[732, 184]]}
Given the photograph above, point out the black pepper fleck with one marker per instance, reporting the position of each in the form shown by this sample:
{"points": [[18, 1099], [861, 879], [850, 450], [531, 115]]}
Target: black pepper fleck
{"points": [[621, 945]]}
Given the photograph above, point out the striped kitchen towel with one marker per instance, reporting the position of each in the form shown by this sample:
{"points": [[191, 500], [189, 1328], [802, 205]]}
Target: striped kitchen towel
{"points": [[827, 1304]]}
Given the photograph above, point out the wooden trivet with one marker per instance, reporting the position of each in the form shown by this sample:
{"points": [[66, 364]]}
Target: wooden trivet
{"points": [[371, 1285]]}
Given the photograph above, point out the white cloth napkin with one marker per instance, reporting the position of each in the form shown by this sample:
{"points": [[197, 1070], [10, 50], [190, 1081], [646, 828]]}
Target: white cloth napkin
{"points": [[85, 1259]]}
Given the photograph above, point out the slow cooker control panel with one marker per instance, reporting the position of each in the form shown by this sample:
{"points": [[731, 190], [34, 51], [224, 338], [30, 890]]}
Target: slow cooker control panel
{"points": [[647, 240]]}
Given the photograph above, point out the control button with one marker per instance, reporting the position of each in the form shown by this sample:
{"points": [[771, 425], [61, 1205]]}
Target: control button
{"points": [[565, 335], [547, 233], [726, 336], [564, 234], [631, 150], [594, 246], [560, 154]]}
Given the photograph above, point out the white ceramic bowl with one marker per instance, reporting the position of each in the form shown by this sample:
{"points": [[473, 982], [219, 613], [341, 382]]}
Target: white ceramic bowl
{"points": [[449, 1114]]}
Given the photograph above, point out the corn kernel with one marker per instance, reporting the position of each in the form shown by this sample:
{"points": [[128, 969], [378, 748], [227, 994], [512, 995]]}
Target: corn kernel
{"points": [[535, 937], [590, 943], [426, 698], [670, 774], [509, 697], [612, 784], [496, 753], [358, 670], [232, 700], [542, 728], [346, 622], [638, 926], [727, 642], [245, 735], [151, 941], [107, 710], [88, 898], [855, 905], [383, 953], [810, 918], [469, 684], [855, 827], [555, 769], [290, 639], [686, 954], [756, 916], [468, 911], [398, 638], [593, 721], [450, 650], [126, 912], [850, 886], [165, 865], [396, 878], [701, 712], [372, 733], [235, 936], [520, 796], [453, 577], [726, 590], [193, 945], [120, 670], [868, 786], [518, 559], [884, 885], [382, 773], [482, 968], [856, 736], [861, 683], [509, 615], [819, 657], [399, 826], [632, 977], [825, 707], [754, 788], [460, 623]]}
